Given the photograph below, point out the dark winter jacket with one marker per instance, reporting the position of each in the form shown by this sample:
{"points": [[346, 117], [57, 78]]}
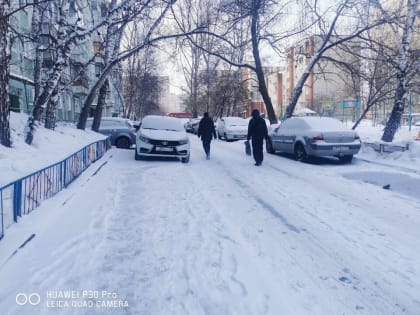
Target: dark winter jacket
{"points": [[206, 128], [257, 128]]}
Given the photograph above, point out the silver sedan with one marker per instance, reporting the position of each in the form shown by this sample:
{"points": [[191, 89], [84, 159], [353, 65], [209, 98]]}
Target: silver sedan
{"points": [[314, 136]]}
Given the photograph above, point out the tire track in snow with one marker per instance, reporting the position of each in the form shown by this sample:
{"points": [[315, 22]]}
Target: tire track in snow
{"points": [[234, 172]]}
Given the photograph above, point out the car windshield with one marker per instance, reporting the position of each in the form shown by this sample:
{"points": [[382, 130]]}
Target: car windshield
{"points": [[162, 123], [236, 121]]}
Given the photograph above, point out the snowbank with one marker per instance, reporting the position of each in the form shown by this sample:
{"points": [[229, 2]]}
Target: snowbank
{"points": [[48, 147]]}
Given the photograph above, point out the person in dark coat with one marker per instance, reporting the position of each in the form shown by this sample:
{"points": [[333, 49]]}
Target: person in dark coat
{"points": [[257, 131], [206, 131]]}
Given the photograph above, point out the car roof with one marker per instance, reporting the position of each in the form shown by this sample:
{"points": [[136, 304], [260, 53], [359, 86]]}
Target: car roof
{"points": [[111, 118], [321, 123], [232, 117]]}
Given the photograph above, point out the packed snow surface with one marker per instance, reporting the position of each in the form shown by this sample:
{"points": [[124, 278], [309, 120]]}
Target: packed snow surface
{"points": [[222, 236]]}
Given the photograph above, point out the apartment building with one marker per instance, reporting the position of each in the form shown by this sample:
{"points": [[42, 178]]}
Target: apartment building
{"points": [[328, 88], [274, 82], [22, 90], [391, 36]]}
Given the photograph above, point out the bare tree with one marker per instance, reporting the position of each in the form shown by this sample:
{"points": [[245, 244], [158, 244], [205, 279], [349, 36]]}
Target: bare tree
{"points": [[226, 93], [142, 85], [151, 38], [4, 74], [36, 28], [329, 39], [109, 51], [192, 14], [403, 70], [258, 15], [68, 35]]}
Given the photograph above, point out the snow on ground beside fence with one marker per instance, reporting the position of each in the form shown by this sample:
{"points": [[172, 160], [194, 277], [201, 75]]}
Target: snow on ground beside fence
{"points": [[48, 147], [373, 134]]}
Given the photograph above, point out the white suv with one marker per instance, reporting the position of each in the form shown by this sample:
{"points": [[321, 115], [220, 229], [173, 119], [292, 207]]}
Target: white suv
{"points": [[162, 136], [232, 128]]}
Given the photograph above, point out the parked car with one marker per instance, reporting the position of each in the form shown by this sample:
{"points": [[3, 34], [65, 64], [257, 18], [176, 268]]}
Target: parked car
{"points": [[121, 131], [232, 128], [162, 136], [195, 126], [314, 136], [192, 125]]}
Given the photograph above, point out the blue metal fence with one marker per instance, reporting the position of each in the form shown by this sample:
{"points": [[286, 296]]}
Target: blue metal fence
{"points": [[25, 194]]}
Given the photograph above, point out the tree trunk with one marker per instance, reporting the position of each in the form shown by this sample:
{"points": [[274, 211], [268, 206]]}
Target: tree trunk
{"points": [[399, 103], [44, 98], [63, 55], [36, 26], [4, 74], [100, 105], [50, 113], [362, 116], [399, 100], [297, 91], [262, 87]]}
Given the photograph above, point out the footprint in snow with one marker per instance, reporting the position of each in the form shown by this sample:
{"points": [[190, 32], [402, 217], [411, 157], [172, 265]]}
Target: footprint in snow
{"points": [[344, 279]]}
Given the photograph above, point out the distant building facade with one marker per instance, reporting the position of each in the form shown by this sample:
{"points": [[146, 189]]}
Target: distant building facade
{"points": [[273, 80]]}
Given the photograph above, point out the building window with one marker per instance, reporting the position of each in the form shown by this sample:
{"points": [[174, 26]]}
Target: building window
{"points": [[72, 8], [98, 69]]}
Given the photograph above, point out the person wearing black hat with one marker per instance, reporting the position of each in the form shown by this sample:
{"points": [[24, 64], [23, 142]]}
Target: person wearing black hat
{"points": [[206, 131], [257, 131]]}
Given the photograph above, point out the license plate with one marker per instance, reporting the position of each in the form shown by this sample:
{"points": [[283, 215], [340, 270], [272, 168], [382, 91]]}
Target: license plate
{"points": [[163, 149], [341, 148]]}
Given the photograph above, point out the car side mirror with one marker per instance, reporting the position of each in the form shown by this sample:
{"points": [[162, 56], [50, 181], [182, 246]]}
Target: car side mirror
{"points": [[136, 127]]}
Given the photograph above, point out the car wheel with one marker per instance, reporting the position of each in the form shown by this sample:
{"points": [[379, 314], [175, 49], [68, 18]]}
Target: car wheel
{"points": [[137, 157], [346, 158], [300, 153], [185, 159], [269, 147], [226, 139], [122, 143]]}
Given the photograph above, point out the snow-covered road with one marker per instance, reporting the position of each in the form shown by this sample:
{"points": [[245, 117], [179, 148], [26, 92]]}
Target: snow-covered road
{"points": [[217, 237]]}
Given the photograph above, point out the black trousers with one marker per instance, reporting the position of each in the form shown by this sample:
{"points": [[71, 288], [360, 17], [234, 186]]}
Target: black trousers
{"points": [[257, 150], [206, 144]]}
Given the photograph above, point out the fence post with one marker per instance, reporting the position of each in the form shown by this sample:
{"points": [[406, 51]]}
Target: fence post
{"points": [[17, 200], [65, 174]]}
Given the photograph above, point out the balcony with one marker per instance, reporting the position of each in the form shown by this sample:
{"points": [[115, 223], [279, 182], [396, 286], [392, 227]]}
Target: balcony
{"points": [[80, 86]]}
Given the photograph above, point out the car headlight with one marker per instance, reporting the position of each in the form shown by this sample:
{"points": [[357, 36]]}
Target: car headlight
{"points": [[184, 141], [144, 139]]}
